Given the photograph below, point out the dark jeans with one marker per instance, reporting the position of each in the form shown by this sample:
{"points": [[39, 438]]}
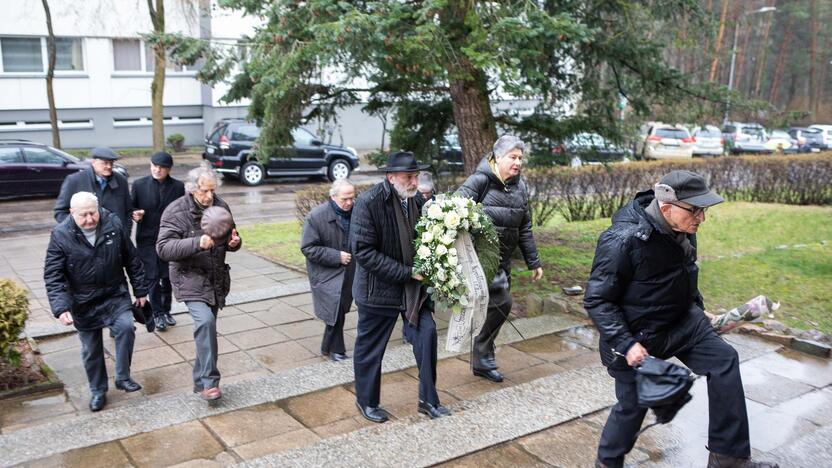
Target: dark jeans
{"points": [[92, 350], [374, 332], [159, 295], [708, 355]]}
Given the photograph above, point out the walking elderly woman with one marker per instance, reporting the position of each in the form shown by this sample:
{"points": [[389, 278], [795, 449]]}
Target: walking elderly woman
{"points": [[195, 248], [326, 246], [496, 184]]}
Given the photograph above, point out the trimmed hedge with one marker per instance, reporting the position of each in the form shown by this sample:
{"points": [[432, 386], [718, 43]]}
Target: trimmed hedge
{"points": [[592, 192]]}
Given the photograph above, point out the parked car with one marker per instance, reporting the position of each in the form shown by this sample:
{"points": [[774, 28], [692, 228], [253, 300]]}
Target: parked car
{"points": [[708, 141], [230, 144], [781, 141], [450, 154], [826, 135], [29, 168], [663, 141], [808, 139], [590, 148], [745, 137]]}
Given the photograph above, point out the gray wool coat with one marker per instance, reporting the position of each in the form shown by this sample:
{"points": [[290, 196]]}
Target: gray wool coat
{"points": [[322, 243]]}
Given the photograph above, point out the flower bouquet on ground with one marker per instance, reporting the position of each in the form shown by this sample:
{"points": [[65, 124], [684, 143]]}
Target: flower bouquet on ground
{"points": [[748, 312], [458, 253]]}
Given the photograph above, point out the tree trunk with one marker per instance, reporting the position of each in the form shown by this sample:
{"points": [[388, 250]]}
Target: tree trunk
{"points": [[781, 62], [762, 53], [50, 73], [157, 87], [746, 32], [700, 64], [718, 45], [472, 114], [814, 99]]}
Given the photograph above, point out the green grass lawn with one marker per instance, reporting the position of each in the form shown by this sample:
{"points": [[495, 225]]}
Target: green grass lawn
{"points": [[740, 252], [740, 257]]}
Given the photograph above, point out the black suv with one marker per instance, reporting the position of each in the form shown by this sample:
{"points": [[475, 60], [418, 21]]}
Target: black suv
{"points": [[228, 147]]}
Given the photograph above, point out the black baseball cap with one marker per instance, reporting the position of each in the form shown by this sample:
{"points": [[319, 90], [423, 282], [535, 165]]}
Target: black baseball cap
{"points": [[102, 152], [691, 188], [160, 158]]}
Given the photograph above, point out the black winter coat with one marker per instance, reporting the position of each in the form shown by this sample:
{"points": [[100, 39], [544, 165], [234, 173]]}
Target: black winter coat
{"points": [[195, 274], [78, 276], [381, 273], [507, 204], [153, 197], [115, 197], [642, 284]]}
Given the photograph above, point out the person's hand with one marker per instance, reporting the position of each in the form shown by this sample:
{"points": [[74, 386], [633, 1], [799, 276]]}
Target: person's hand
{"points": [[537, 274], [66, 318], [345, 258], [205, 242], [138, 215], [235, 239], [141, 301], [418, 277], [636, 355]]}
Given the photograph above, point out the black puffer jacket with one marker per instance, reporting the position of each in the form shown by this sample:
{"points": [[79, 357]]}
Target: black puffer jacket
{"points": [[507, 204], [381, 272], [115, 197], [78, 275], [642, 284]]}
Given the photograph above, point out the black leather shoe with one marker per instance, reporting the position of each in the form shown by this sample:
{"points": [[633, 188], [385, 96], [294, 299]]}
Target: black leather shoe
{"points": [[160, 323], [338, 356], [491, 374], [128, 385], [434, 412], [716, 460], [98, 401], [198, 389], [169, 320], [374, 414]]}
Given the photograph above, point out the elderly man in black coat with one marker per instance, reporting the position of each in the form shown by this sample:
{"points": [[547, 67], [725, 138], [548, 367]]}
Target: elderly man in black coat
{"points": [[88, 254], [643, 297], [325, 244], [381, 235], [150, 196], [498, 186], [99, 179]]}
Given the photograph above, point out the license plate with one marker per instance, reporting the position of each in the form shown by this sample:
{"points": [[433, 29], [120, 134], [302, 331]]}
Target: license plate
{"points": [[210, 150]]}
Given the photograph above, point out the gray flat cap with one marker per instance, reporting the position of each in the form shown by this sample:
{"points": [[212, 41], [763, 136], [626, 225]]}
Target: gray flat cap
{"points": [[102, 152]]}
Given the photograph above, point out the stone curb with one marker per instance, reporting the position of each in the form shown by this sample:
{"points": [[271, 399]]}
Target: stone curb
{"points": [[157, 413], [490, 419], [814, 348]]}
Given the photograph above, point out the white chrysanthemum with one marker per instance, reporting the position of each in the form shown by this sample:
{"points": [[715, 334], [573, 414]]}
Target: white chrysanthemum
{"points": [[423, 252], [448, 238], [440, 274]]}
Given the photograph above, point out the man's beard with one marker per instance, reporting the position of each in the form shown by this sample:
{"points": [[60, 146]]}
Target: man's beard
{"points": [[403, 192]]}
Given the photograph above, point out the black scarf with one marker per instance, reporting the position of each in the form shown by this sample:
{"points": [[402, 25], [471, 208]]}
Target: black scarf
{"points": [[343, 218]]}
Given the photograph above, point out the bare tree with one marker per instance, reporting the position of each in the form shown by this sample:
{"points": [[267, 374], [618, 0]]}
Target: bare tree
{"points": [[157, 87], [50, 73]]}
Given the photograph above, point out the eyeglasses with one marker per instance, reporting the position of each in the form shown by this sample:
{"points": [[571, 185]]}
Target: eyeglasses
{"points": [[695, 210]]}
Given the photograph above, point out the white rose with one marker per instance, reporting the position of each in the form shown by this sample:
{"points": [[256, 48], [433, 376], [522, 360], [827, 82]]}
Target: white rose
{"points": [[441, 250], [423, 252], [452, 251], [427, 237], [452, 220], [435, 211], [452, 260]]}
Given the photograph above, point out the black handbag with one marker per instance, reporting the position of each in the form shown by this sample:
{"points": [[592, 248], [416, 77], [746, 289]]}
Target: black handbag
{"points": [[663, 387]]}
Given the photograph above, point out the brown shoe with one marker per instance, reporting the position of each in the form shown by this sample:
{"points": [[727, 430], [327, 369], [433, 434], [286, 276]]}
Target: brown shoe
{"points": [[211, 394], [717, 460]]}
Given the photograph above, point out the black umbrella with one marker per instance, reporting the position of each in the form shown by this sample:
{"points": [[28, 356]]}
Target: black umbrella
{"points": [[144, 315], [663, 387]]}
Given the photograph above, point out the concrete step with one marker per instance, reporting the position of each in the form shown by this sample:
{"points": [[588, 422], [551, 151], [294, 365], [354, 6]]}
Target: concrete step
{"points": [[161, 412]]}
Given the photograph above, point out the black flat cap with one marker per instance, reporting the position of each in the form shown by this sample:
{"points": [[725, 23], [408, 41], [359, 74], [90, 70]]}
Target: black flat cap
{"points": [[160, 158], [102, 152]]}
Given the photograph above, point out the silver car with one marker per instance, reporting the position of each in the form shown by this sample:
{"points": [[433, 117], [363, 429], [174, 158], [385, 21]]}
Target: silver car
{"points": [[708, 142]]}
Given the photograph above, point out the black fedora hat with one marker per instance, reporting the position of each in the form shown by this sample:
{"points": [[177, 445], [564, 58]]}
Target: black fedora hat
{"points": [[403, 161]]}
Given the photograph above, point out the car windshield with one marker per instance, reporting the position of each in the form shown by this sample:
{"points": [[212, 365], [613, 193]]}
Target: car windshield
{"points": [[452, 140], [754, 131], [72, 158], [245, 132], [709, 133], [676, 133]]}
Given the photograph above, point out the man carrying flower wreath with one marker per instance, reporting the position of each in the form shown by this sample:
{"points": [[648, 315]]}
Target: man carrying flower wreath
{"points": [[381, 238]]}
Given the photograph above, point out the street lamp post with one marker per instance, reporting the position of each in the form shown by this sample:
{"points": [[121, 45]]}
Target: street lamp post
{"points": [[734, 55]]}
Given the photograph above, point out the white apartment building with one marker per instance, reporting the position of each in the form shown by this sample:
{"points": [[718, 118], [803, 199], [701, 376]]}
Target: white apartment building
{"points": [[104, 71]]}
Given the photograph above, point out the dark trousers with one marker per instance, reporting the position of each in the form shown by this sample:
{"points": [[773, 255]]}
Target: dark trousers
{"points": [[374, 332], [728, 421], [499, 306], [92, 350], [159, 295], [333, 340]]}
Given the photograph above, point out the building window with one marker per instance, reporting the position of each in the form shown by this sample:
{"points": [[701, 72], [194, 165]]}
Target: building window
{"points": [[22, 54], [29, 54], [127, 55]]}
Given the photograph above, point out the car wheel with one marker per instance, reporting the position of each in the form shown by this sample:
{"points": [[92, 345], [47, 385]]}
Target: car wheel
{"points": [[339, 169], [252, 173]]}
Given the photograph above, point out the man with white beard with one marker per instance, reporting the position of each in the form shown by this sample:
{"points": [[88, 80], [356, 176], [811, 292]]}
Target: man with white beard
{"points": [[381, 237]]}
